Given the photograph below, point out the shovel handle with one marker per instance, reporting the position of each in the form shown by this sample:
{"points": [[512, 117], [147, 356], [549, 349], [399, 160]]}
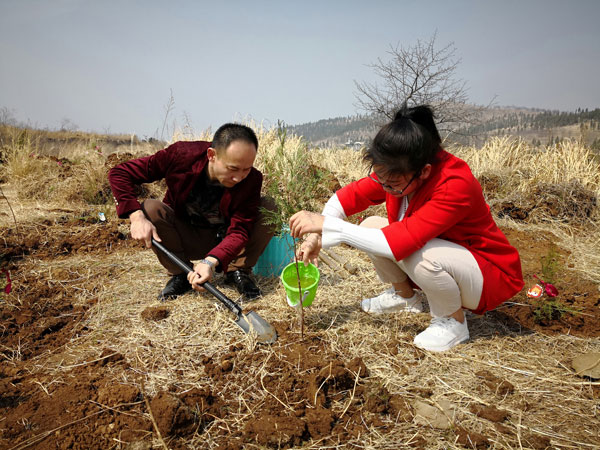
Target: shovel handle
{"points": [[233, 307]]}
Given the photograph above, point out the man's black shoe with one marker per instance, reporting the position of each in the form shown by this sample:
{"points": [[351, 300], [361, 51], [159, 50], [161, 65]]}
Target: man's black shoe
{"points": [[244, 284], [177, 285]]}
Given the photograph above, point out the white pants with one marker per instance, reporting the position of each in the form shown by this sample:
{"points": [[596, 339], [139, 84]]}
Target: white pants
{"points": [[447, 273]]}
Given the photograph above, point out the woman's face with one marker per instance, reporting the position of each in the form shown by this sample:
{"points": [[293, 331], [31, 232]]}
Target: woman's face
{"points": [[400, 185]]}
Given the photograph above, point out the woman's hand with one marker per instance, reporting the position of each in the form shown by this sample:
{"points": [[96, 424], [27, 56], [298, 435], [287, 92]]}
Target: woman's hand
{"points": [[309, 250], [305, 222]]}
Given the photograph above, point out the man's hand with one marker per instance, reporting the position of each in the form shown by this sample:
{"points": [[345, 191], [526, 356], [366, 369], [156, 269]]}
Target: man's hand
{"points": [[309, 250], [141, 228], [304, 222], [202, 272]]}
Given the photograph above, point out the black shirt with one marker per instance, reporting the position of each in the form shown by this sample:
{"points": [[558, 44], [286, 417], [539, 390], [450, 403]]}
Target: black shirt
{"points": [[202, 205]]}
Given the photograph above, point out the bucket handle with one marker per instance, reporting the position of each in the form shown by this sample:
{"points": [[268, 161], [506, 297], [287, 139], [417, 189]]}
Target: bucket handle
{"points": [[296, 305]]}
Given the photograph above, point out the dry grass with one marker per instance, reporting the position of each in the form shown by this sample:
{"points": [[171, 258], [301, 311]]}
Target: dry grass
{"points": [[567, 173], [583, 244], [346, 164], [548, 399], [69, 173], [528, 176], [524, 166]]}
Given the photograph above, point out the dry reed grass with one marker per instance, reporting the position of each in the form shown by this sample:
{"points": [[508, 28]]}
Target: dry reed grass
{"points": [[528, 175], [70, 176], [523, 166]]}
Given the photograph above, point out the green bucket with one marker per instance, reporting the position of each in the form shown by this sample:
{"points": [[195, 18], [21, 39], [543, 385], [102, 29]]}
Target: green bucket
{"points": [[309, 280]]}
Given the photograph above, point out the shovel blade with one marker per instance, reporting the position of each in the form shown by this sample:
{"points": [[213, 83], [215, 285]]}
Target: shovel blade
{"points": [[252, 323]]}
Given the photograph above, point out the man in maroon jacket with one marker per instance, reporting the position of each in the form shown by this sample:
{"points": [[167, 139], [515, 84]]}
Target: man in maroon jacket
{"points": [[210, 211]]}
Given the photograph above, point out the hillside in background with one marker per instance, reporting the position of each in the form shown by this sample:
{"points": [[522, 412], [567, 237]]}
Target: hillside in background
{"points": [[535, 126], [338, 132], [53, 142]]}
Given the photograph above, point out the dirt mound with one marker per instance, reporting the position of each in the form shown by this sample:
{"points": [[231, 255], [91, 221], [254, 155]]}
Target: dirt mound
{"points": [[569, 203], [155, 313], [118, 158], [578, 298], [314, 395], [44, 319], [71, 235], [46, 411]]}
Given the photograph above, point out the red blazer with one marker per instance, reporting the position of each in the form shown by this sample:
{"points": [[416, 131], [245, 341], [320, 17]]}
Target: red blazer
{"points": [[449, 205], [180, 165]]}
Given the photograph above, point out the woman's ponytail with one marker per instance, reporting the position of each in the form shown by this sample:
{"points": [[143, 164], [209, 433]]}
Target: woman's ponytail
{"points": [[407, 143], [424, 116]]}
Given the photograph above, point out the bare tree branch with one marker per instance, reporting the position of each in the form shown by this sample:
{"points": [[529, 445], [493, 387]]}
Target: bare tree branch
{"points": [[418, 75]]}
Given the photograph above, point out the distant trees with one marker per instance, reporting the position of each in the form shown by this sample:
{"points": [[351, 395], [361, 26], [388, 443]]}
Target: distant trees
{"points": [[540, 127], [338, 130], [67, 124], [421, 74], [7, 116], [537, 121]]}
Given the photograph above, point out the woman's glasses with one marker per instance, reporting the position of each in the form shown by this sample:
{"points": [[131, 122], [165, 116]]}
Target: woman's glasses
{"points": [[390, 188]]}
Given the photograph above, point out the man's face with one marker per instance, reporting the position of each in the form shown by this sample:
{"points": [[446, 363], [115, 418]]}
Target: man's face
{"points": [[232, 165]]}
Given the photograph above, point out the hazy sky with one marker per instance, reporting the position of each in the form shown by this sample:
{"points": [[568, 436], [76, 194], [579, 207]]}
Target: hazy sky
{"points": [[110, 66]]}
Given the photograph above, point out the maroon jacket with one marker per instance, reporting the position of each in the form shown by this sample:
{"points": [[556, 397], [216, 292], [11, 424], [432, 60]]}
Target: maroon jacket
{"points": [[180, 165]]}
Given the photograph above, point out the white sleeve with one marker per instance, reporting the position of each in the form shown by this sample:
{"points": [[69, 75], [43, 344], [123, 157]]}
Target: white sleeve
{"points": [[369, 240], [333, 208]]}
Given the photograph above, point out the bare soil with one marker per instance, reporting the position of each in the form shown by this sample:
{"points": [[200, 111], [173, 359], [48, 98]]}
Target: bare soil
{"points": [[580, 297], [87, 407]]}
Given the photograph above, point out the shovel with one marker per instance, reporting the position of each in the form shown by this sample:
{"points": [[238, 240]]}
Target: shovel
{"points": [[250, 322]]}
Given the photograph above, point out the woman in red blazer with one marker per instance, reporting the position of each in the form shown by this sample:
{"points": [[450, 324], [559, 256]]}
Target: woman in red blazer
{"points": [[439, 235]]}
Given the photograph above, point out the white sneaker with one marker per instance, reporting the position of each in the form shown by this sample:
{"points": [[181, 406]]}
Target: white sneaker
{"points": [[443, 334], [389, 302]]}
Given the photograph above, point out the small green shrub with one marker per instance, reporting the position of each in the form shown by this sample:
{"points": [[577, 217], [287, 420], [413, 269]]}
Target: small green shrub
{"points": [[293, 183], [291, 180], [550, 264], [549, 307]]}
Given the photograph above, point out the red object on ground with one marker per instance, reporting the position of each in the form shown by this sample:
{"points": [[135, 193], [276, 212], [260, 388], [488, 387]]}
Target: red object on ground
{"points": [[550, 289], [8, 286], [535, 291]]}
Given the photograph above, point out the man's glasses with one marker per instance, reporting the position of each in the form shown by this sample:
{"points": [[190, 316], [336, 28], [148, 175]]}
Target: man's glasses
{"points": [[391, 189]]}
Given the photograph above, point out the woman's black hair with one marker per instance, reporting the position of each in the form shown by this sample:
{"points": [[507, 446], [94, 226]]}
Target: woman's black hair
{"points": [[406, 144]]}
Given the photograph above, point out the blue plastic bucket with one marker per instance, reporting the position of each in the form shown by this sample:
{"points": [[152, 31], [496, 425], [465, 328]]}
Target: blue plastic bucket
{"points": [[276, 256]]}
